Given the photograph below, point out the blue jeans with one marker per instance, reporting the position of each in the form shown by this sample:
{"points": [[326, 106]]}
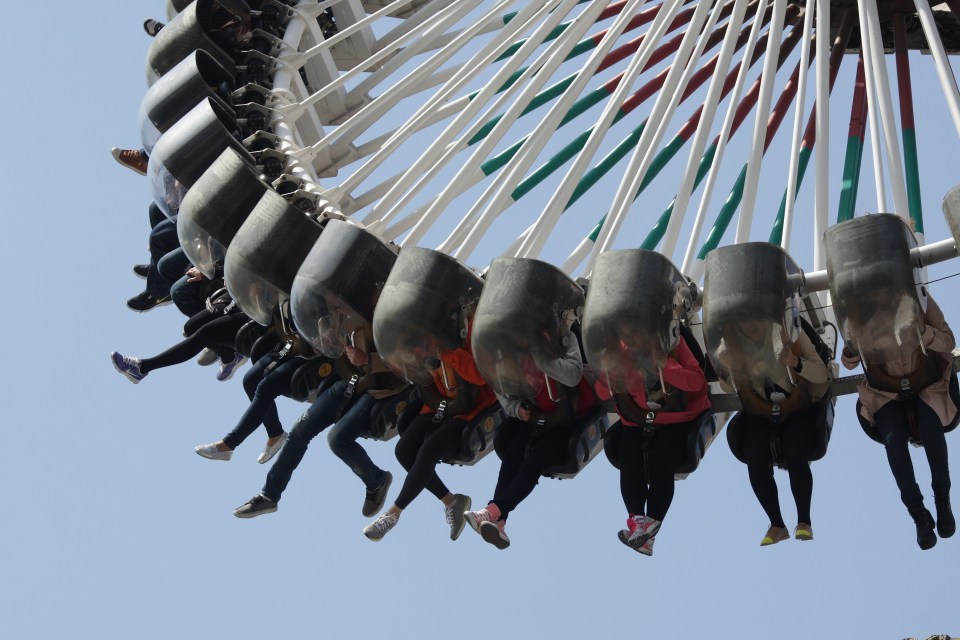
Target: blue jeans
{"points": [[163, 240], [342, 438], [263, 387]]}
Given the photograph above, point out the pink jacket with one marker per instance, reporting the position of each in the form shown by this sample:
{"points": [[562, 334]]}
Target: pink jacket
{"points": [[937, 337], [683, 373]]}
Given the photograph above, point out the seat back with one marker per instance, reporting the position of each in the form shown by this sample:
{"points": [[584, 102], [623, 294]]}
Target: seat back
{"points": [[388, 414], [478, 436], [823, 425], [700, 433], [586, 440], [312, 378]]}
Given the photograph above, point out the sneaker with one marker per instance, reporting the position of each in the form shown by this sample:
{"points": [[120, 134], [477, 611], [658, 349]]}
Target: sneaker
{"points": [[926, 537], [270, 450], [379, 527], [210, 452], [946, 523], [141, 270], [207, 357], [774, 535], [257, 505], [493, 533], [454, 514], [803, 531], [131, 158], [129, 367], [145, 302], [639, 530], [152, 27], [228, 368], [477, 518], [375, 498]]}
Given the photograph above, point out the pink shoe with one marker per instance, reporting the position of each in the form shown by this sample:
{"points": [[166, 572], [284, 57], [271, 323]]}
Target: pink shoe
{"points": [[490, 513], [493, 533], [639, 532]]}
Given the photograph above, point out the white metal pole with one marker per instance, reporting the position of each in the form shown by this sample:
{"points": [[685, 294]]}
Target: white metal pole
{"points": [[704, 127], [443, 149], [822, 184], [888, 122], [714, 172], [798, 119], [660, 116], [760, 122], [948, 82]]}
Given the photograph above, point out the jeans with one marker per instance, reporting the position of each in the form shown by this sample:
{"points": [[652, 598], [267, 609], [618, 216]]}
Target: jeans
{"points": [[342, 438], [163, 240], [263, 387], [892, 422]]}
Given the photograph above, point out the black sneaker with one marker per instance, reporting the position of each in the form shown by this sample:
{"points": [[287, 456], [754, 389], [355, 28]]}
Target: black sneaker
{"points": [[376, 497], [257, 505], [926, 537], [946, 523], [144, 301], [141, 270]]}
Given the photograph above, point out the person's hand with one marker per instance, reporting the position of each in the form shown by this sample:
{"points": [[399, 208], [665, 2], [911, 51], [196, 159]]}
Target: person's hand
{"points": [[357, 357], [789, 358], [193, 275]]}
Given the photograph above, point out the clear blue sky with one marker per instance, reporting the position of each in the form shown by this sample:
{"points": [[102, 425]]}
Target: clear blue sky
{"points": [[114, 528]]}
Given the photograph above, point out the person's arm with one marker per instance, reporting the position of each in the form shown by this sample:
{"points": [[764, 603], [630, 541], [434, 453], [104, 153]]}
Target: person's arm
{"points": [[684, 372], [937, 335], [809, 365], [567, 369], [511, 407]]}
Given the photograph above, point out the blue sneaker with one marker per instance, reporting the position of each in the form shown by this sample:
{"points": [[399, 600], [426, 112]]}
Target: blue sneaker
{"points": [[227, 368], [129, 367]]}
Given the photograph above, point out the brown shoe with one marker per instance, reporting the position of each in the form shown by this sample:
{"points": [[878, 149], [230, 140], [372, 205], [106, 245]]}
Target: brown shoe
{"points": [[803, 531], [131, 158], [774, 535]]}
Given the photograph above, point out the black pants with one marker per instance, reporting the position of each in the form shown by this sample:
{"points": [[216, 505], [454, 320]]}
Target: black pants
{"points": [[893, 420], [797, 440], [204, 330], [423, 444], [524, 456], [666, 453]]}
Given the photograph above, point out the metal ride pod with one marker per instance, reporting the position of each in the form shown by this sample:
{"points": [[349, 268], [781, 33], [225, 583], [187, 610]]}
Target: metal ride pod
{"points": [[188, 148], [751, 310], [519, 323], [636, 302], [194, 78], [338, 285], [266, 253], [186, 33], [873, 283], [421, 313], [632, 319], [215, 207]]}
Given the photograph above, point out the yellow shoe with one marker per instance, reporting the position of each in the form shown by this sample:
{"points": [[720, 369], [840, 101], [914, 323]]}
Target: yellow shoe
{"points": [[803, 531], [774, 535]]}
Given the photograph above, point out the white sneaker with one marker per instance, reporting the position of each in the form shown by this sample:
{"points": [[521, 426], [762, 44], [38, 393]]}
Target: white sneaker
{"points": [[494, 533], [379, 527], [271, 449], [476, 518], [210, 452], [207, 357]]}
